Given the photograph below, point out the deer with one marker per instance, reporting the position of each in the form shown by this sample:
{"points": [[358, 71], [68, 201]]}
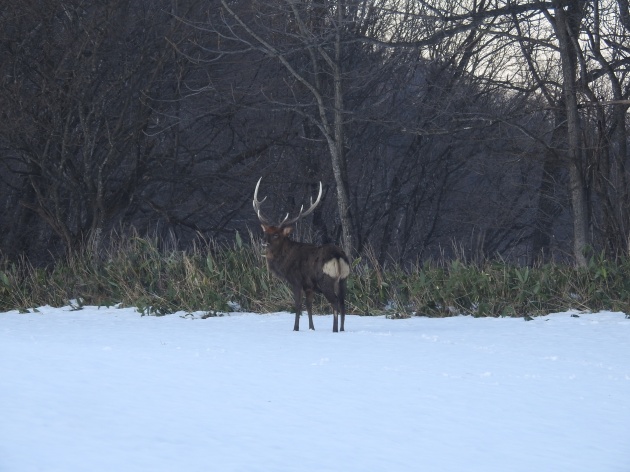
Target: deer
{"points": [[307, 268]]}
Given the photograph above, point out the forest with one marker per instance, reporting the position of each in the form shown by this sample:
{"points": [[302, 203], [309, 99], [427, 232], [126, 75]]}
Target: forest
{"points": [[438, 128]]}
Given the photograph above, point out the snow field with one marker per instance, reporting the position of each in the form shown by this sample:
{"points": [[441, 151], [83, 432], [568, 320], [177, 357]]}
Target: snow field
{"points": [[106, 389]]}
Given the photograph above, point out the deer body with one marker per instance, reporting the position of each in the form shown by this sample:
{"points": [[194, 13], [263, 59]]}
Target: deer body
{"points": [[307, 268]]}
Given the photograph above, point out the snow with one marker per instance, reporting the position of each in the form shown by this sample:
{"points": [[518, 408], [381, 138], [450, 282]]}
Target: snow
{"points": [[108, 390]]}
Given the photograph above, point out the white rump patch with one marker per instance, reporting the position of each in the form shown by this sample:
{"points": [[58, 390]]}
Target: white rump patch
{"points": [[337, 268]]}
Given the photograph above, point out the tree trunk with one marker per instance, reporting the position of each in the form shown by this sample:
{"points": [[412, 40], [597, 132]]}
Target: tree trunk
{"points": [[338, 157], [566, 23], [332, 132]]}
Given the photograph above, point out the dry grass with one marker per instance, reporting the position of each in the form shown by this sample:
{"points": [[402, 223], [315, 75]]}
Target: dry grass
{"points": [[137, 271]]}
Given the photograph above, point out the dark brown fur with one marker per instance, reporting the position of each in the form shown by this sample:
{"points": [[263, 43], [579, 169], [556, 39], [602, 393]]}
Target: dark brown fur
{"points": [[303, 267]]}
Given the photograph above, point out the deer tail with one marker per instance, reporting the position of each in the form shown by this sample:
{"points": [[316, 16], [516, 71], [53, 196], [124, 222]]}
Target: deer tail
{"points": [[338, 269]]}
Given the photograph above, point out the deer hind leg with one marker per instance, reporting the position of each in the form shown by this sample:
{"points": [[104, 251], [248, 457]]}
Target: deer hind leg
{"points": [[343, 318], [339, 309], [337, 269], [337, 299], [309, 308], [341, 300], [297, 297], [333, 299]]}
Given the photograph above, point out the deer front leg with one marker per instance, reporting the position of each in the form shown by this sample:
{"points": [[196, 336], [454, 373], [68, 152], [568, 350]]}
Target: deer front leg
{"points": [[297, 297], [309, 308]]}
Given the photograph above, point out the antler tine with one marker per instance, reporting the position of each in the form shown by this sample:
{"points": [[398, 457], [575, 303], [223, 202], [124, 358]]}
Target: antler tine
{"points": [[256, 203], [317, 200], [287, 217], [310, 210]]}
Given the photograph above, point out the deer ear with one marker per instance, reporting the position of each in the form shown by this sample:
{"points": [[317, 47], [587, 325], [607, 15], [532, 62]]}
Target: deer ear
{"points": [[264, 227], [286, 231]]}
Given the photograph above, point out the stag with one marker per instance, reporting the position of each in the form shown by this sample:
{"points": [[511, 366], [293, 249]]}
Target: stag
{"points": [[307, 268]]}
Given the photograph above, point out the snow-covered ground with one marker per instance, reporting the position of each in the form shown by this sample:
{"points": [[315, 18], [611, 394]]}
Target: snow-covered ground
{"points": [[109, 390]]}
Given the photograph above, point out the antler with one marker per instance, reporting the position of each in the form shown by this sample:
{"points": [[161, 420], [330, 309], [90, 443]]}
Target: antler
{"points": [[257, 203], [286, 221], [302, 213]]}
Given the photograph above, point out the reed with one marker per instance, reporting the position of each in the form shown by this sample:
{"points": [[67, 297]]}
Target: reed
{"points": [[158, 279]]}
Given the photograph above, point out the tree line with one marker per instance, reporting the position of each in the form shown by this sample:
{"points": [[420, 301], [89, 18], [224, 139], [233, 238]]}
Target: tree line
{"points": [[438, 128]]}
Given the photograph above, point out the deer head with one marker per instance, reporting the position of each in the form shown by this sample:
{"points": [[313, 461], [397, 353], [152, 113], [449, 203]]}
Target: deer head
{"points": [[274, 233]]}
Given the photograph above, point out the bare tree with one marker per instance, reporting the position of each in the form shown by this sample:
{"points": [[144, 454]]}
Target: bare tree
{"points": [[309, 40], [588, 103], [581, 41], [76, 87], [500, 126]]}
